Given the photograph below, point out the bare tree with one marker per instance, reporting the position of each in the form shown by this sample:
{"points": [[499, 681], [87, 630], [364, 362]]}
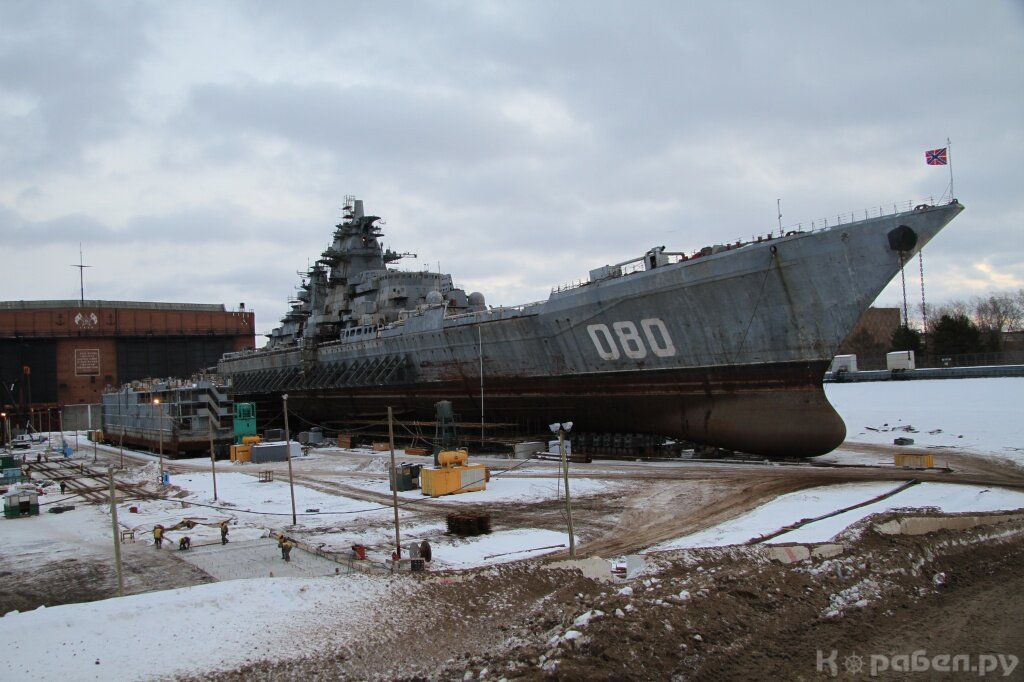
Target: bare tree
{"points": [[1016, 324], [952, 309], [997, 312]]}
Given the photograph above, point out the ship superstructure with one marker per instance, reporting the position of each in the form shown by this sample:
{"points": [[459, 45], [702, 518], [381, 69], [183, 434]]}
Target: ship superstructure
{"points": [[726, 346]]}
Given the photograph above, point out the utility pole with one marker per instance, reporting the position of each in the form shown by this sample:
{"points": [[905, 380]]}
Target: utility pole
{"points": [[213, 466], [480, 343], [288, 445], [561, 430], [394, 483], [160, 428], [117, 540]]}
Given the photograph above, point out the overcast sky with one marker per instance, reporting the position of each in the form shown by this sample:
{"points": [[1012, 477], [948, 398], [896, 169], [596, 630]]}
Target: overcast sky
{"points": [[200, 151]]}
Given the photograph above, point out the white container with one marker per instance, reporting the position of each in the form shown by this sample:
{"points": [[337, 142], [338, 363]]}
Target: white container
{"points": [[847, 363], [901, 359], [553, 447], [528, 449]]}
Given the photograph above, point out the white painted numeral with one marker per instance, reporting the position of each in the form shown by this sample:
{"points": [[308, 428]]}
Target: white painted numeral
{"points": [[630, 340], [605, 345], [663, 347], [627, 337]]}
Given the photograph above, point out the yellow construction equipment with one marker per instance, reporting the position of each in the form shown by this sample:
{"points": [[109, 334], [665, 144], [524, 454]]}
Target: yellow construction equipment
{"points": [[243, 452], [911, 461], [454, 474]]}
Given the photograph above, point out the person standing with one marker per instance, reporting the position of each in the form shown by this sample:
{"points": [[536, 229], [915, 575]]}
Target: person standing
{"points": [[158, 535], [223, 532], [286, 549]]}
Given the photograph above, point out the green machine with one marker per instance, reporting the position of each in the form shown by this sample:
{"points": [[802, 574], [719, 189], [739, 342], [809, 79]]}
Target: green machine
{"points": [[245, 421]]}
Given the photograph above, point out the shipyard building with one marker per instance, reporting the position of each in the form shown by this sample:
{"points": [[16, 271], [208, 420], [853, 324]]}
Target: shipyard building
{"points": [[59, 353]]}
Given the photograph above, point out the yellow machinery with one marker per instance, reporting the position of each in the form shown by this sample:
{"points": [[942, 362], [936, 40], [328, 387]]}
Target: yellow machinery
{"points": [[453, 475], [243, 452], [908, 461]]}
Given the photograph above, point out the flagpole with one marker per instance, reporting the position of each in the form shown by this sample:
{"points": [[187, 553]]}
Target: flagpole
{"points": [[949, 158]]}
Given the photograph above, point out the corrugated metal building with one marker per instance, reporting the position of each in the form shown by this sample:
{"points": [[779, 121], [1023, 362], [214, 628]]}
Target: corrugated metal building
{"points": [[56, 353]]}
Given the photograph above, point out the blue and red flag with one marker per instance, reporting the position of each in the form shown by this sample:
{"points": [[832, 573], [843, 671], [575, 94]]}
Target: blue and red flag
{"points": [[936, 157]]}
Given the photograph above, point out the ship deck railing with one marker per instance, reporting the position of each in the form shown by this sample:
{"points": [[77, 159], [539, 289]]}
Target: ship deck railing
{"points": [[816, 225], [491, 314]]}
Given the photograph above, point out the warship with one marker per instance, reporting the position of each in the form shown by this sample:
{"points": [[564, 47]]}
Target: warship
{"points": [[726, 346]]}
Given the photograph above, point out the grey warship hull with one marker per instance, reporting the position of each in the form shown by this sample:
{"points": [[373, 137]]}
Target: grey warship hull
{"points": [[726, 348]]}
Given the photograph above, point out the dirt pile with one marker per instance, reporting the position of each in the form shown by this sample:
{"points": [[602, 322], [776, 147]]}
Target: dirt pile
{"points": [[727, 613]]}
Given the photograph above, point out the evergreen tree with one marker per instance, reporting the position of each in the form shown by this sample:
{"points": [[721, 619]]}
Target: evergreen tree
{"points": [[905, 338], [955, 335]]}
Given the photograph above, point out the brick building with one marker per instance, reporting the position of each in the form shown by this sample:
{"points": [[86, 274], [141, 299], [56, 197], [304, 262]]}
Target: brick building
{"points": [[870, 337], [57, 353]]}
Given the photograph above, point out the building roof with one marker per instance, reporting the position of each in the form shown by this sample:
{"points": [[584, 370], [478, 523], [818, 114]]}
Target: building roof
{"points": [[93, 304]]}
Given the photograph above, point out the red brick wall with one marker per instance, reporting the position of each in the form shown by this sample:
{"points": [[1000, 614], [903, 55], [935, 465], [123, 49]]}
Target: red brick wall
{"points": [[82, 376]]}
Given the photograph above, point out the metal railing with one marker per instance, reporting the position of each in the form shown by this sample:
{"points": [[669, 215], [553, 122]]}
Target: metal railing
{"points": [[815, 225]]}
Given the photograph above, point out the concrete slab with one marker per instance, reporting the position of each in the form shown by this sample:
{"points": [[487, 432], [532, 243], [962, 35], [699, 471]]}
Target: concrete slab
{"points": [[826, 550], [920, 525], [257, 559], [594, 567], [788, 554]]}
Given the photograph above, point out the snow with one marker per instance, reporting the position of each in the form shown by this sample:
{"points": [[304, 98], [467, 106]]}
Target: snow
{"points": [[184, 631], [228, 623], [788, 509], [977, 415]]}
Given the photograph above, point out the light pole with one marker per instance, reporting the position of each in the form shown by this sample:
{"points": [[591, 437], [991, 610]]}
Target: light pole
{"points": [[7, 431], [120, 417], [288, 449], [160, 428], [213, 462], [394, 483], [561, 429]]}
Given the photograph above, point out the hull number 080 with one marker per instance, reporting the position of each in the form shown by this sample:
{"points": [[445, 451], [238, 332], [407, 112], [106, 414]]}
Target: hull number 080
{"points": [[624, 338]]}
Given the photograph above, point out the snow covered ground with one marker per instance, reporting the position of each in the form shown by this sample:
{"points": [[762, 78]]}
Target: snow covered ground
{"points": [[163, 635], [807, 504], [976, 415], [225, 624]]}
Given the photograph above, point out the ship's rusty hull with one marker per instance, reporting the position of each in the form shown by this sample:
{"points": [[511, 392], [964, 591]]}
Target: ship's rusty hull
{"points": [[777, 411]]}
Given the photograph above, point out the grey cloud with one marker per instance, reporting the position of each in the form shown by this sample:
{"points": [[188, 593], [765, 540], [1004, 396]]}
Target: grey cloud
{"points": [[365, 125], [692, 119], [72, 63]]}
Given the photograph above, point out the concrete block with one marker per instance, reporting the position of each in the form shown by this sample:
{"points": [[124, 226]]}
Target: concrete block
{"points": [[788, 554], [826, 550], [593, 567]]}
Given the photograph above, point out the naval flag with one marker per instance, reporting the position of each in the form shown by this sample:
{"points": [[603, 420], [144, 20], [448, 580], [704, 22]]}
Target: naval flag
{"points": [[935, 157]]}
